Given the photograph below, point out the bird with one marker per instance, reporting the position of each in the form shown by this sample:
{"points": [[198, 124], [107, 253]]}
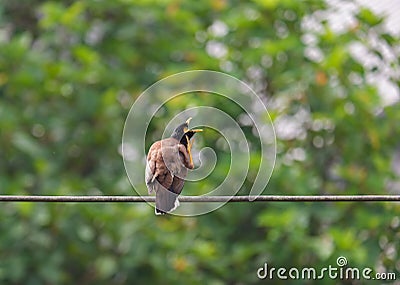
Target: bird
{"points": [[167, 163]]}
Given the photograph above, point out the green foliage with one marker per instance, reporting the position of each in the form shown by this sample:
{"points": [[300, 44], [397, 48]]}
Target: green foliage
{"points": [[69, 72]]}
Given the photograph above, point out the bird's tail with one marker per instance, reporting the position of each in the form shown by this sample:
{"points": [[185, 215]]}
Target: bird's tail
{"points": [[166, 201]]}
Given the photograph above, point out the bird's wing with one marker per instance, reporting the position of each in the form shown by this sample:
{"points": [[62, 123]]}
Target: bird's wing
{"points": [[156, 168], [177, 185], [167, 183], [179, 182], [151, 163], [156, 171], [149, 174]]}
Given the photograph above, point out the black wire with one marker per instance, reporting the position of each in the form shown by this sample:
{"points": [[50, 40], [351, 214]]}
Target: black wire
{"points": [[263, 198]]}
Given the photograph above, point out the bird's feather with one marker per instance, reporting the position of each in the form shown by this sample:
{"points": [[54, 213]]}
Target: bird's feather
{"points": [[166, 201], [166, 170], [177, 185]]}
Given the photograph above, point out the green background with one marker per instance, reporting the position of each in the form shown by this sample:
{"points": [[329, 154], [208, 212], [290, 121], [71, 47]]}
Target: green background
{"points": [[69, 72]]}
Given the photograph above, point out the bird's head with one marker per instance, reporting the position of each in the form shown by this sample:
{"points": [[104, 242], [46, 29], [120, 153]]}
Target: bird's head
{"points": [[183, 134]]}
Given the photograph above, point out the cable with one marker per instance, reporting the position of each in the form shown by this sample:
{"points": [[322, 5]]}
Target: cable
{"points": [[263, 198]]}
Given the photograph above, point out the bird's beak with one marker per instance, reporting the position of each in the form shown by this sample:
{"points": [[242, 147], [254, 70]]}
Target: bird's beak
{"points": [[190, 142], [195, 130], [192, 130], [189, 147]]}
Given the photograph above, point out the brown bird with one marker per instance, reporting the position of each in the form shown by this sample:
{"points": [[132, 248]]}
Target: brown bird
{"points": [[167, 164]]}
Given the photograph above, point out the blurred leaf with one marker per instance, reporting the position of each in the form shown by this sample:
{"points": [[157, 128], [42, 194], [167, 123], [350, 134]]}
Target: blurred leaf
{"points": [[69, 73], [367, 16]]}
